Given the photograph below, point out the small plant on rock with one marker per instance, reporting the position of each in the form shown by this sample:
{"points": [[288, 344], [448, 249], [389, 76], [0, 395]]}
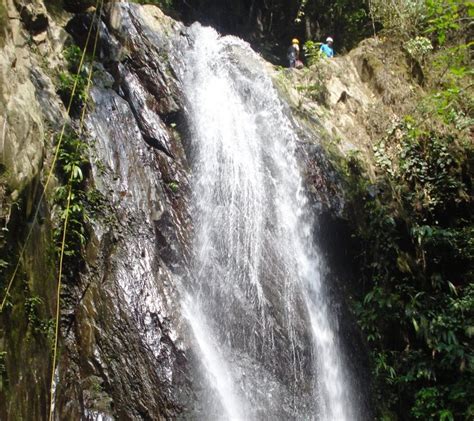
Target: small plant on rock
{"points": [[72, 167], [418, 48], [70, 77], [312, 53]]}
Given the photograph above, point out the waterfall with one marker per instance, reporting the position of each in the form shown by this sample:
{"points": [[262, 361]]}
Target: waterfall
{"points": [[256, 304]]}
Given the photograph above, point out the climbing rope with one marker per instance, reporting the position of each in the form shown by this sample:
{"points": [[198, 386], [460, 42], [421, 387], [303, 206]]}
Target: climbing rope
{"points": [[53, 164], [68, 205]]}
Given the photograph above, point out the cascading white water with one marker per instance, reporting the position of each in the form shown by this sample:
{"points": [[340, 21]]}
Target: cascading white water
{"points": [[216, 368], [257, 294]]}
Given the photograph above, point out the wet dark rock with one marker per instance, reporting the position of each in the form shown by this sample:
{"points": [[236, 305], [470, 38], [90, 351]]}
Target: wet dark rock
{"points": [[80, 25], [78, 6], [125, 352], [321, 179], [334, 235], [136, 63], [155, 143], [126, 337], [149, 256], [129, 337]]}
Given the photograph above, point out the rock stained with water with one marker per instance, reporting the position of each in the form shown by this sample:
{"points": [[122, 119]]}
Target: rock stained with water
{"points": [[222, 283], [204, 294]]}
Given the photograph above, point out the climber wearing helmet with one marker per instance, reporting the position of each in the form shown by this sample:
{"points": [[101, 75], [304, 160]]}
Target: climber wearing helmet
{"points": [[293, 52], [327, 49]]}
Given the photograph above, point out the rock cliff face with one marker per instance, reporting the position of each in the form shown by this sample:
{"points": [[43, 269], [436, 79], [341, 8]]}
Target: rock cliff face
{"points": [[124, 329], [137, 184], [124, 352], [30, 112], [352, 100]]}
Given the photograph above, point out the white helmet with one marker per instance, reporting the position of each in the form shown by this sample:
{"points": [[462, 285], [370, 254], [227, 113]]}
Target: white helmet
{"points": [[329, 39]]}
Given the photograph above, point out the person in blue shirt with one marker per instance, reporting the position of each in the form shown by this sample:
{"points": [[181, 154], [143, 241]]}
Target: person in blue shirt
{"points": [[327, 49]]}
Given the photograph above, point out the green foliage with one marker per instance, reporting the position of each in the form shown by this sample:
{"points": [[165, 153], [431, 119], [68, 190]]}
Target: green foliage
{"points": [[173, 186], [312, 52], [66, 86], [440, 19], [271, 25], [417, 311], [453, 105], [418, 47], [73, 55], [424, 166], [399, 16], [72, 157], [95, 200], [37, 324], [415, 224], [316, 91], [426, 404], [444, 17], [451, 75], [70, 77], [347, 21], [72, 167]]}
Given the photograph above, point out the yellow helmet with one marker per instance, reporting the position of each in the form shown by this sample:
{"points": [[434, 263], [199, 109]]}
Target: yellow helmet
{"points": [[295, 41]]}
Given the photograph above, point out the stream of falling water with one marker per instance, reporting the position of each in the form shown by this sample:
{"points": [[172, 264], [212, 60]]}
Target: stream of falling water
{"points": [[256, 306]]}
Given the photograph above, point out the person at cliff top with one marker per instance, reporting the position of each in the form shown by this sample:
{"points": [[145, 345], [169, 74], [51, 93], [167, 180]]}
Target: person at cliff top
{"points": [[293, 52], [327, 49]]}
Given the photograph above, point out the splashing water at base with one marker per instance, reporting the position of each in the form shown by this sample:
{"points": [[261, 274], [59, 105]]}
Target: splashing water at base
{"points": [[256, 291], [218, 372]]}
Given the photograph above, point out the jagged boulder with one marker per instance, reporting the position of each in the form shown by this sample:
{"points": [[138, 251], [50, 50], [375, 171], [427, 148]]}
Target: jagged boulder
{"points": [[33, 14]]}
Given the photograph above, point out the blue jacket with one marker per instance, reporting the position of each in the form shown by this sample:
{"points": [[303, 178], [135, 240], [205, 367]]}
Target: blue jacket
{"points": [[327, 50]]}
